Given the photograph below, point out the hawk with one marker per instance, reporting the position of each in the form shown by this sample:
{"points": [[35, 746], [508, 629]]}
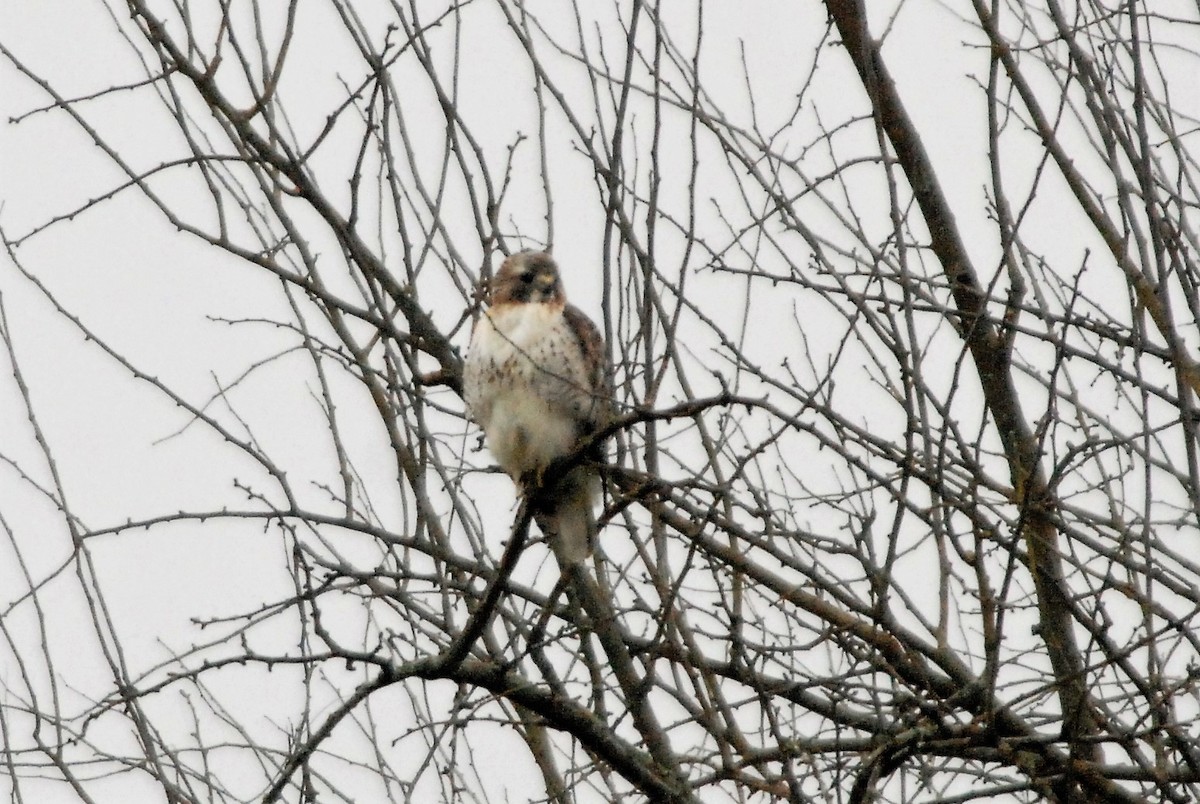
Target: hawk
{"points": [[537, 381]]}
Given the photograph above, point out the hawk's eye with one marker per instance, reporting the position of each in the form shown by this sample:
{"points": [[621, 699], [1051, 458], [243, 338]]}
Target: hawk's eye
{"points": [[527, 276]]}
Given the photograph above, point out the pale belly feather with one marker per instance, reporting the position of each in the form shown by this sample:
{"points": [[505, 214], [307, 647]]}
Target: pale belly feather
{"points": [[524, 433], [522, 389]]}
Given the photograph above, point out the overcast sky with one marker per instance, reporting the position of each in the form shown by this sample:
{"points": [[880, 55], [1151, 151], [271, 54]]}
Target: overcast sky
{"points": [[168, 303]]}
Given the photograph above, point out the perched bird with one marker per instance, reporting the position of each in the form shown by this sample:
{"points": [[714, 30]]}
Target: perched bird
{"points": [[537, 380]]}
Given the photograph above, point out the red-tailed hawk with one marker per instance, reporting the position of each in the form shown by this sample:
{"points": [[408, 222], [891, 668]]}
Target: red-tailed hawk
{"points": [[537, 380]]}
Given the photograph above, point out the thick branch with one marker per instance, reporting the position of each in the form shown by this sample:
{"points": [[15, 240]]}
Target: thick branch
{"points": [[987, 349]]}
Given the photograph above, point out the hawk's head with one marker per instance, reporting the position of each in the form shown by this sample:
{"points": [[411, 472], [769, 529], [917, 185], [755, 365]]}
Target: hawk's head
{"points": [[527, 277]]}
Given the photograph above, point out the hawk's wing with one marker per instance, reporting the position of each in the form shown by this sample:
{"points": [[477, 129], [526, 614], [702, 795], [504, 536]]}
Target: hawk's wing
{"points": [[569, 518], [597, 370]]}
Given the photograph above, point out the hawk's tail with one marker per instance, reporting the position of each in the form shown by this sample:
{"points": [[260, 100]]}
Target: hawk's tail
{"points": [[568, 518]]}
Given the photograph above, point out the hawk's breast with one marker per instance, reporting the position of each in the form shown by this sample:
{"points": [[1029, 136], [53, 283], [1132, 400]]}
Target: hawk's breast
{"points": [[526, 385]]}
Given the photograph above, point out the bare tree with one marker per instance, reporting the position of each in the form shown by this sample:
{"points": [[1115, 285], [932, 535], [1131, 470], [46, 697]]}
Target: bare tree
{"points": [[904, 485]]}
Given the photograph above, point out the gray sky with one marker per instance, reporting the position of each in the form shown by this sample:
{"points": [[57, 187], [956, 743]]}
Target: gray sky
{"points": [[165, 301]]}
